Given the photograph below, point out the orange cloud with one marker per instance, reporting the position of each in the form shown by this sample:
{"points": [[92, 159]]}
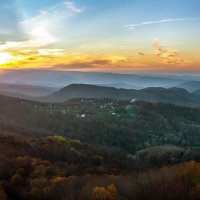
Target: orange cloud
{"points": [[168, 56]]}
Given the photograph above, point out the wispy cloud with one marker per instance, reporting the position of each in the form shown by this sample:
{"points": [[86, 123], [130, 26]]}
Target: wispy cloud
{"points": [[42, 29], [133, 26], [168, 56], [47, 24], [70, 5]]}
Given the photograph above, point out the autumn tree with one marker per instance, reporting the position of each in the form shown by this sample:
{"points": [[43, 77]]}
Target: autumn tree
{"points": [[101, 193], [112, 192]]}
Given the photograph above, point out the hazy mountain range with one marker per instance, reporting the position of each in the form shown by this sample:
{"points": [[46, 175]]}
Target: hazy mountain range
{"points": [[190, 85], [63, 78], [58, 86]]}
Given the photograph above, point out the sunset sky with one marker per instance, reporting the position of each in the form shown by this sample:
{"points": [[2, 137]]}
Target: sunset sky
{"points": [[127, 36]]}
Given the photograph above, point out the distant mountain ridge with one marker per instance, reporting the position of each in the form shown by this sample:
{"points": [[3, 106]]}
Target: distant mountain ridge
{"points": [[190, 85], [197, 92], [26, 90], [172, 95], [122, 86], [54, 78]]}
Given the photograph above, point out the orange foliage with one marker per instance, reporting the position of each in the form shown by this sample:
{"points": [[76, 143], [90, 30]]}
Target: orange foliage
{"points": [[101, 193]]}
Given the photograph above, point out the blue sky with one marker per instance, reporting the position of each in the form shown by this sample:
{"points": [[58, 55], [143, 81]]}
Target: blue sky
{"points": [[117, 28]]}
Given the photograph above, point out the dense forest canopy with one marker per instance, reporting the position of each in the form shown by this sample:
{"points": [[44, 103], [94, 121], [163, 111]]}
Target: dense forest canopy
{"points": [[96, 146]]}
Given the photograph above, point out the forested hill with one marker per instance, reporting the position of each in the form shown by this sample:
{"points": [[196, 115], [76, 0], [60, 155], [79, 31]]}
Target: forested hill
{"points": [[92, 145], [172, 95], [131, 126]]}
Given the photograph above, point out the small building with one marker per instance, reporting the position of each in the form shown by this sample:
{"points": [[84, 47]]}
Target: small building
{"points": [[63, 112], [83, 115], [133, 100]]}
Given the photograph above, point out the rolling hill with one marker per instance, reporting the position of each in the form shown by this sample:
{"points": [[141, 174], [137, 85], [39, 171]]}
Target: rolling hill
{"points": [[122, 124], [172, 95]]}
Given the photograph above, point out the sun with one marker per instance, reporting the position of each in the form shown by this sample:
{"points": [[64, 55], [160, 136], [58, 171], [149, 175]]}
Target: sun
{"points": [[5, 57]]}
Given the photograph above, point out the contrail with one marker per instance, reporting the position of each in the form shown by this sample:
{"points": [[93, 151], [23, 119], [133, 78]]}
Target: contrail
{"points": [[132, 26]]}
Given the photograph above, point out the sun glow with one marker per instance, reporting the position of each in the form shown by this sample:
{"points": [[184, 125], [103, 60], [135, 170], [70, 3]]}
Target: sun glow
{"points": [[5, 57]]}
